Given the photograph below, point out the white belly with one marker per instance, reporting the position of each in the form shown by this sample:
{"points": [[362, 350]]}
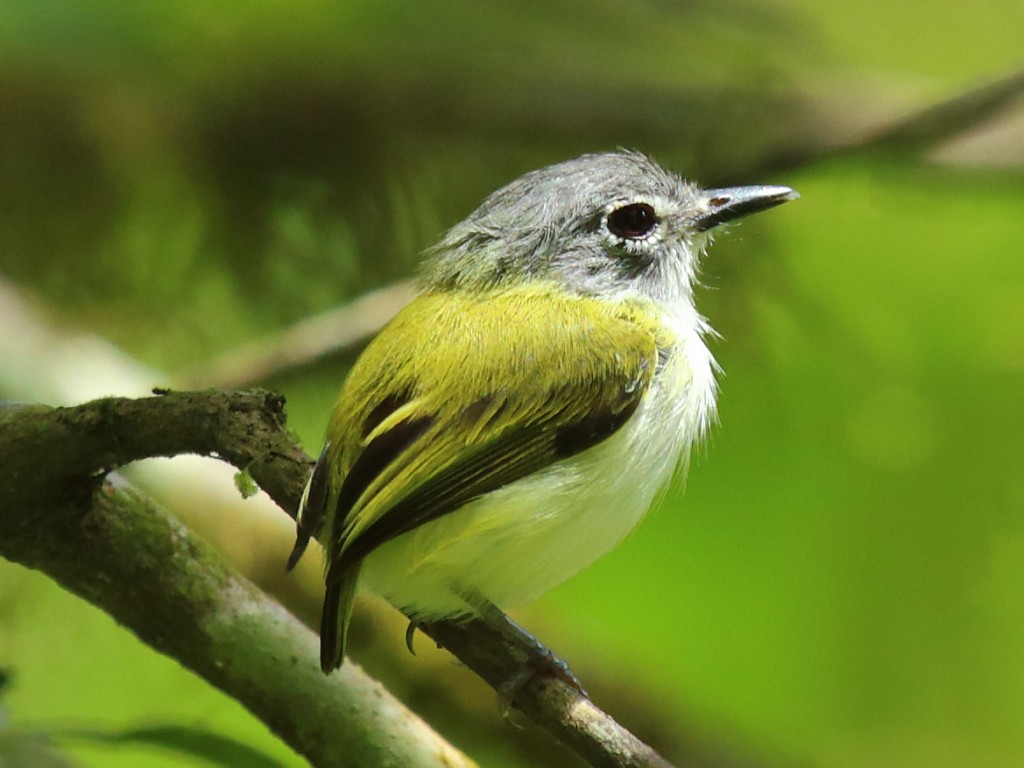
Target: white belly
{"points": [[516, 543]]}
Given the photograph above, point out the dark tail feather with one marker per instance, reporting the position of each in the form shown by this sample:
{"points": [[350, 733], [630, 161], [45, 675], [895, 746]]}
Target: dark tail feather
{"points": [[341, 589], [301, 542]]}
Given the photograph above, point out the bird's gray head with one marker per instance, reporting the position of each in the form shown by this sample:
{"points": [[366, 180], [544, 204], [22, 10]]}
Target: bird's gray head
{"points": [[604, 224]]}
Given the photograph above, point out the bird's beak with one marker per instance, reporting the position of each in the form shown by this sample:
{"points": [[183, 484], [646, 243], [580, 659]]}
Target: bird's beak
{"points": [[722, 205]]}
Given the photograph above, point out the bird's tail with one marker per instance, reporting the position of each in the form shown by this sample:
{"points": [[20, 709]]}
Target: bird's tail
{"points": [[337, 612]]}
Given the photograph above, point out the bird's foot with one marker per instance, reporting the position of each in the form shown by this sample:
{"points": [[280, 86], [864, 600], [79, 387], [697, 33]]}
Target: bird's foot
{"points": [[540, 663]]}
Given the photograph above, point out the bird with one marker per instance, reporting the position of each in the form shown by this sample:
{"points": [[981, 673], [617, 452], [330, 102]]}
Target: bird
{"points": [[517, 419]]}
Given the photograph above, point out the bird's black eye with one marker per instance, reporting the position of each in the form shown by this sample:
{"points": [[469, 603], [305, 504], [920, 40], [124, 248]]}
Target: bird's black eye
{"points": [[632, 222]]}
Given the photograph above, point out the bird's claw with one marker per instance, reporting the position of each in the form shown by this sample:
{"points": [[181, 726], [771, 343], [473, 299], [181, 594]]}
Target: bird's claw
{"points": [[410, 634]]}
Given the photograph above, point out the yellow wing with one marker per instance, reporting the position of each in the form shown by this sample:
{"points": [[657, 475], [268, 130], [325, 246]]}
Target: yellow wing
{"points": [[459, 396]]}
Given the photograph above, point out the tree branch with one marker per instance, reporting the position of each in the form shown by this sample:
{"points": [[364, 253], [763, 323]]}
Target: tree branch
{"points": [[102, 540], [182, 600]]}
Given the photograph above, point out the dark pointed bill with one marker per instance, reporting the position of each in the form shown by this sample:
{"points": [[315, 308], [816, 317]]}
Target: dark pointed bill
{"points": [[724, 205]]}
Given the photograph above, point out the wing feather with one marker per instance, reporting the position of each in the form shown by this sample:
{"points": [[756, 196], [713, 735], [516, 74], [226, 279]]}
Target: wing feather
{"points": [[468, 406]]}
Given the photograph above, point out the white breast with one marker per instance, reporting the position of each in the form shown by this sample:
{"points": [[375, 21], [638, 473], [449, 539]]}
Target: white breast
{"points": [[516, 543]]}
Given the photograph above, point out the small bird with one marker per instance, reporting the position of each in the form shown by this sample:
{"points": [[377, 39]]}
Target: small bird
{"points": [[520, 416]]}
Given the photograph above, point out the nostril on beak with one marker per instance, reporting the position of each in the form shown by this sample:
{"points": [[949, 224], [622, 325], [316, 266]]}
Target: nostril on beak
{"points": [[718, 202]]}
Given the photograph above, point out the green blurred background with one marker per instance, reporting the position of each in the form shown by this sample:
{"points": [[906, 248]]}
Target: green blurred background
{"points": [[841, 584]]}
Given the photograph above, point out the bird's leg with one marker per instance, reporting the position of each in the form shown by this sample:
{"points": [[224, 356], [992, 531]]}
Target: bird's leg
{"points": [[540, 660]]}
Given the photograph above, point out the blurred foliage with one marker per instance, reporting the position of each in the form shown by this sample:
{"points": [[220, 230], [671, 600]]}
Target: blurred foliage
{"points": [[841, 583], [39, 748]]}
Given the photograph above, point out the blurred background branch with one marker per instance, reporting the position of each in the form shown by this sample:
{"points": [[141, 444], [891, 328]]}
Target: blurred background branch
{"points": [[340, 330]]}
